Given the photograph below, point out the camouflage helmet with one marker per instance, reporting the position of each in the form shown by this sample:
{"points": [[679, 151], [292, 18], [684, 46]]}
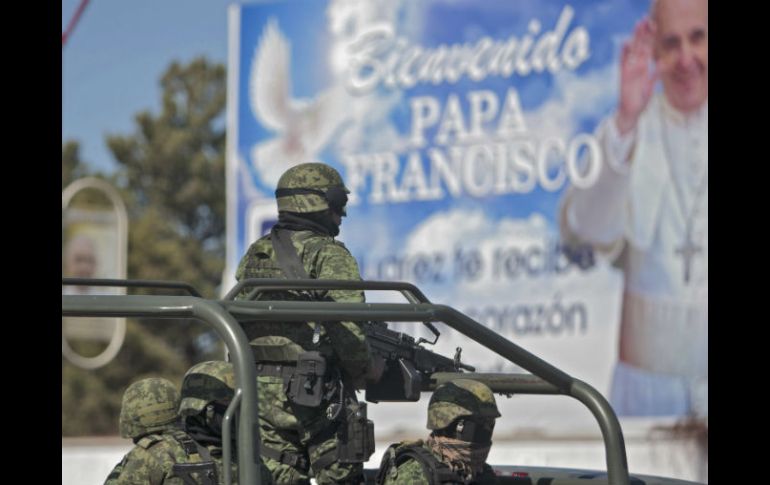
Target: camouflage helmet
{"points": [[204, 383], [149, 405], [461, 397], [311, 187]]}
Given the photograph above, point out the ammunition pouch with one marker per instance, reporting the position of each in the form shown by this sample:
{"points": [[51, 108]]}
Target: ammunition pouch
{"points": [[355, 436], [284, 370], [307, 387], [294, 460], [204, 473]]}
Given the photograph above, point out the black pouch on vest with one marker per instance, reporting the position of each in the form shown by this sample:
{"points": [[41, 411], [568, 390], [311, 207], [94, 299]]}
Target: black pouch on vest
{"points": [[307, 384], [356, 438], [203, 473]]}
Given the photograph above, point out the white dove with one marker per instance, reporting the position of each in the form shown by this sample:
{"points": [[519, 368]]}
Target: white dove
{"points": [[303, 126]]}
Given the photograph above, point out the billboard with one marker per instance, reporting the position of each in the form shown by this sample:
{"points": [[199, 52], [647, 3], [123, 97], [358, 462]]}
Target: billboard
{"points": [[472, 136]]}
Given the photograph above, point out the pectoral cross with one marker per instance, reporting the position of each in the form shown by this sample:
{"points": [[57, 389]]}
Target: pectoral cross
{"points": [[687, 251]]}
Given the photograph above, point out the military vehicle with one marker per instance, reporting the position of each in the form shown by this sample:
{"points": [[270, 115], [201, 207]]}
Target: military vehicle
{"points": [[412, 368]]}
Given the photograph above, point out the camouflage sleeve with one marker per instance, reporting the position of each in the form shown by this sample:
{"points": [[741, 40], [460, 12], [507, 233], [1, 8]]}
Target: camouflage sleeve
{"points": [[144, 467], [245, 265], [409, 472], [112, 478], [335, 262], [241, 272]]}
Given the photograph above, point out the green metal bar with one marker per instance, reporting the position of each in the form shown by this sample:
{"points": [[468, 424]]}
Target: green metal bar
{"points": [[504, 347], [173, 285], [614, 445], [229, 331], [227, 426], [500, 383], [302, 311], [260, 285]]}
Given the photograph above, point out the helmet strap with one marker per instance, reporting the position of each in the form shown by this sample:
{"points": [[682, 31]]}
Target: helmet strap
{"points": [[335, 196]]}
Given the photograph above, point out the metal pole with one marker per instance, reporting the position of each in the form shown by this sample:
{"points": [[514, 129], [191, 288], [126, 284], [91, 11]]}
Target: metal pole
{"points": [[227, 426]]}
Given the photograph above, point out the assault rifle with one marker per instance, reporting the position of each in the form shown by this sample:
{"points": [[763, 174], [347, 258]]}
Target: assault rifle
{"points": [[408, 364]]}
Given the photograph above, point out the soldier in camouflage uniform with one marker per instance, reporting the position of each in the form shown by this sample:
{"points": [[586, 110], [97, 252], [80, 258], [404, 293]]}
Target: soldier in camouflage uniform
{"points": [[312, 424], [207, 389], [149, 416], [461, 415]]}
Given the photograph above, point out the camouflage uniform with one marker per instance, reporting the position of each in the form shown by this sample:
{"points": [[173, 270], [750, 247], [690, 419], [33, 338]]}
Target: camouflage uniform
{"points": [[411, 472], [153, 458], [300, 441], [149, 416], [421, 462]]}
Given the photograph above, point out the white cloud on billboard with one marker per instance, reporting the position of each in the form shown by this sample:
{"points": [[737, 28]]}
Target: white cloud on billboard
{"points": [[573, 98], [456, 230]]}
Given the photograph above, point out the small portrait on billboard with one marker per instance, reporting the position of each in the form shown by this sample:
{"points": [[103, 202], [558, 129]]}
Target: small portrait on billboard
{"points": [[648, 212]]}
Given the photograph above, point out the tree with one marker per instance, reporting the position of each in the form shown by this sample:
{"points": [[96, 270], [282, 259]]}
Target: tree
{"points": [[71, 166], [173, 168], [172, 178], [91, 398]]}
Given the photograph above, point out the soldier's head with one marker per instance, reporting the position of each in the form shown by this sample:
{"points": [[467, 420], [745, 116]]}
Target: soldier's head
{"points": [[207, 389], [313, 191], [464, 410], [681, 47], [149, 405]]}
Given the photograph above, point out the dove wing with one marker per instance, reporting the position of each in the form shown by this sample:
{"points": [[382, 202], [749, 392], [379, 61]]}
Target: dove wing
{"points": [[269, 83], [323, 116]]}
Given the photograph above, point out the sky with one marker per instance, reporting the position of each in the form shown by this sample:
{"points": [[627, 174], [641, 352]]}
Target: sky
{"points": [[113, 60]]}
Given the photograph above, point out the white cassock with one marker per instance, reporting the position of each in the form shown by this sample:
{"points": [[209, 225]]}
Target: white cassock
{"points": [[648, 211]]}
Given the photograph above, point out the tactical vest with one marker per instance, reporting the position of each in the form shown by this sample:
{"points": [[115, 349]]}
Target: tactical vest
{"points": [[434, 470], [199, 467], [266, 259], [263, 260], [311, 378]]}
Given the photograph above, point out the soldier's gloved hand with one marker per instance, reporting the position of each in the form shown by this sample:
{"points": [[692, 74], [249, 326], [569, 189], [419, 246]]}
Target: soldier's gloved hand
{"points": [[375, 369]]}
